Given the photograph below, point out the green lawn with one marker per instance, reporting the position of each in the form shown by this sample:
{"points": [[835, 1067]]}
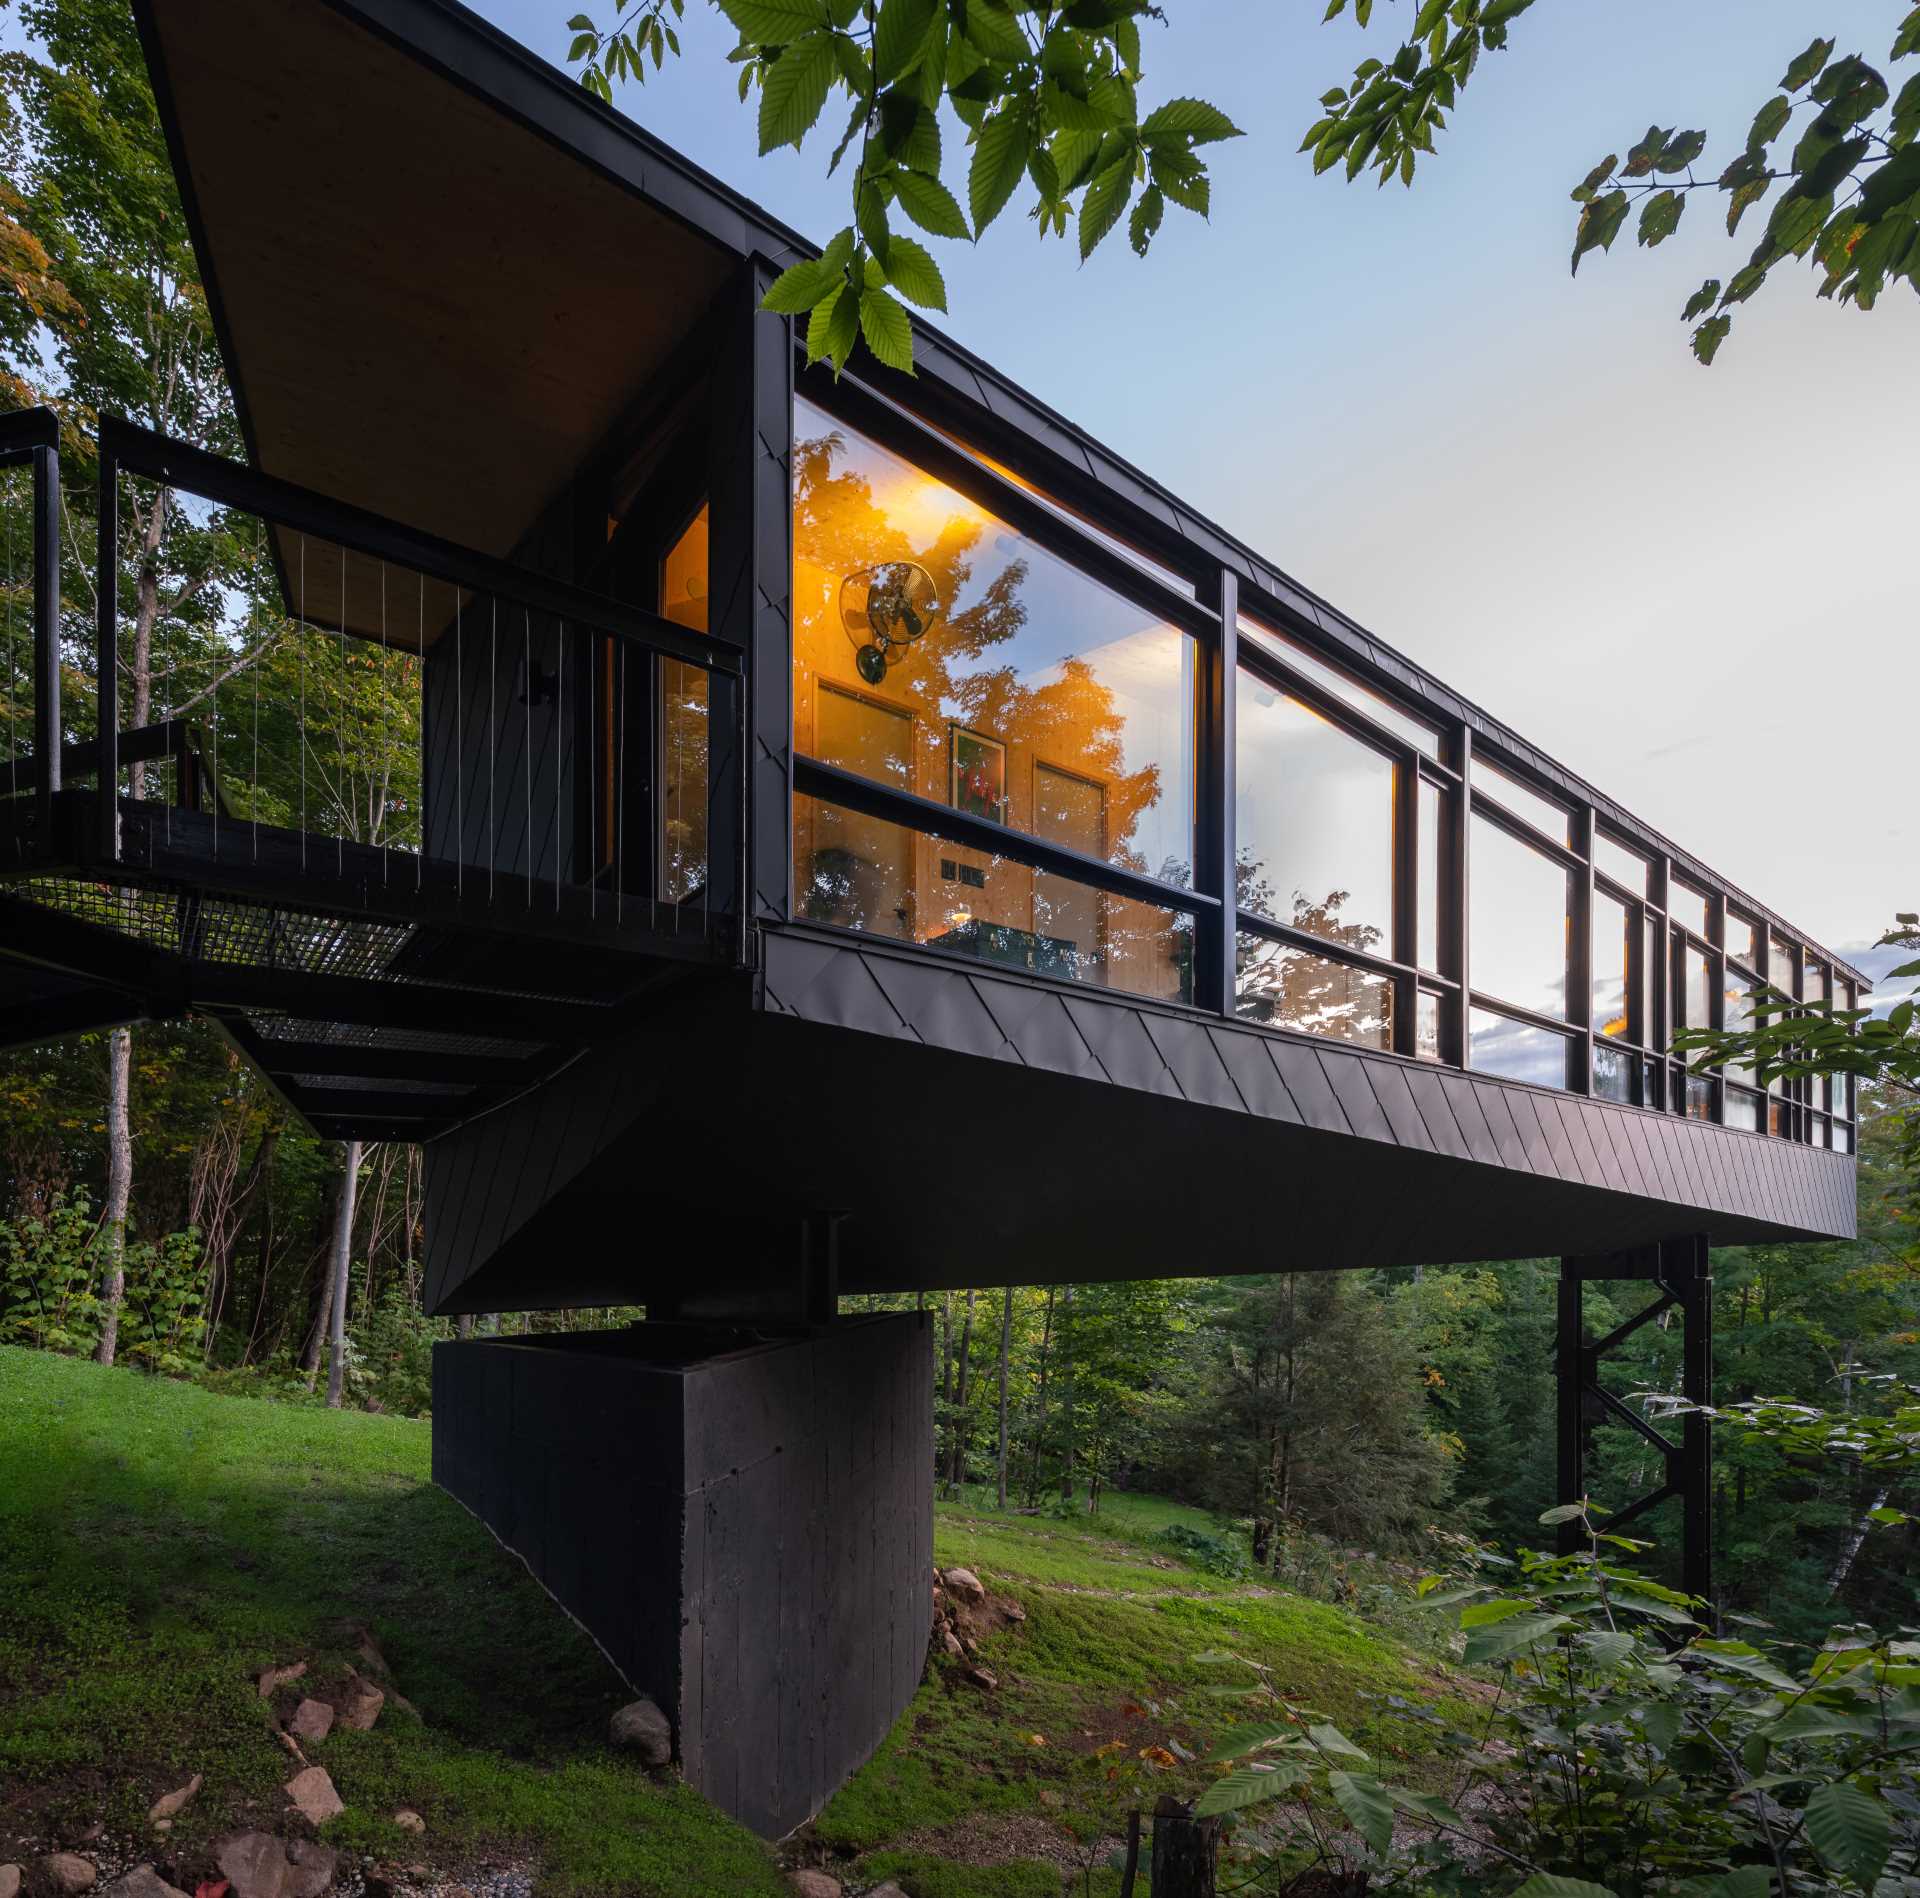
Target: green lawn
{"points": [[160, 1544]]}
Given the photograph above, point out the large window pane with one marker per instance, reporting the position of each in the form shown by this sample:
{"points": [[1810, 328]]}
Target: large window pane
{"points": [[1696, 981], [1743, 940], [1315, 812], [860, 872], [1743, 1109], [1540, 812], [1616, 1074], [683, 722], [1613, 929], [1625, 866], [1517, 925], [1426, 1025], [1285, 987], [1737, 1013], [1432, 812], [1515, 1050], [1362, 698], [1013, 674]]}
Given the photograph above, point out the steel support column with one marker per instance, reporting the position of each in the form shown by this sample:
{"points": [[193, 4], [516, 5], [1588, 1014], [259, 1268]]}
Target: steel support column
{"points": [[1681, 1276]]}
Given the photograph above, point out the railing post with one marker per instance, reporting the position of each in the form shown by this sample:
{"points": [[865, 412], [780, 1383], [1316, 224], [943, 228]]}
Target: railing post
{"points": [[47, 728], [1689, 1271], [107, 691], [1214, 934], [1570, 1402]]}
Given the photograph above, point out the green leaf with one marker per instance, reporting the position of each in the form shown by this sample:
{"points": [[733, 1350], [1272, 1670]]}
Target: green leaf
{"points": [[834, 327], [1484, 1614], [1551, 1885], [1701, 301], [1750, 1881], [1424, 1806], [992, 27], [1660, 217], [1807, 65], [1146, 219], [1769, 122], [794, 90], [1369, 1811], [1191, 119], [1599, 225], [1509, 1637], [999, 157], [1100, 209], [930, 204], [900, 36], [1331, 1740], [1680, 151], [888, 329], [1851, 1831], [1563, 1512], [799, 287], [912, 271], [1237, 1742], [1250, 1784], [1586, 188], [774, 22]]}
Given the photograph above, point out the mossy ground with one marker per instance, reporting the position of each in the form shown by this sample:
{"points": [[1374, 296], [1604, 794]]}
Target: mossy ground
{"points": [[159, 1545], [1102, 1703]]}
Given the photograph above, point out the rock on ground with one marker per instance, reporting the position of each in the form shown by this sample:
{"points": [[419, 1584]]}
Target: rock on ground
{"points": [[810, 1884], [409, 1821], [312, 1720], [888, 1890], [312, 1791], [142, 1882], [66, 1873], [169, 1803], [9, 1881], [964, 1583], [642, 1728], [272, 1678], [258, 1865], [360, 1703]]}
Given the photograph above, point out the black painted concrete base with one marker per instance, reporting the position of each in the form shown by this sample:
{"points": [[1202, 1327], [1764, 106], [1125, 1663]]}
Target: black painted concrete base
{"points": [[743, 1521]]}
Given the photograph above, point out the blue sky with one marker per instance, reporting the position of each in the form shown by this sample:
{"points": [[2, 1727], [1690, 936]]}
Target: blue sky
{"points": [[1678, 581]]}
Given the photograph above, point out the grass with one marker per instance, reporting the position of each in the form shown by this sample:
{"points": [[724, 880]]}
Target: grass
{"points": [[159, 1545], [1103, 1671]]}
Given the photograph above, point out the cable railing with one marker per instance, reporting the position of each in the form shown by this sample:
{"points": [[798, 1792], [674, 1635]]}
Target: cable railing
{"points": [[30, 500], [299, 695]]}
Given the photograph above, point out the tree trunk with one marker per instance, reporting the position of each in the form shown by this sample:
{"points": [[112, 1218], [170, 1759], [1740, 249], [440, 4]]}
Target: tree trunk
{"points": [[1850, 1549], [957, 1471], [1185, 1850], [342, 1260], [1006, 1334], [119, 1189], [1040, 1419], [1066, 1447]]}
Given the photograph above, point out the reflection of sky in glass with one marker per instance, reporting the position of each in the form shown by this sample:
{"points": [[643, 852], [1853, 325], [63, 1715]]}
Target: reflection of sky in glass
{"points": [[1687, 906], [1538, 811], [1315, 815], [1615, 1074], [1620, 863], [1515, 1051], [1517, 922], [1381, 711], [1611, 923], [1430, 814], [1694, 986]]}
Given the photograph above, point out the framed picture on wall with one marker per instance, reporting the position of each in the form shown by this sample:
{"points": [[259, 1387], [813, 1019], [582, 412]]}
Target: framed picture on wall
{"points": [[979, 775]]}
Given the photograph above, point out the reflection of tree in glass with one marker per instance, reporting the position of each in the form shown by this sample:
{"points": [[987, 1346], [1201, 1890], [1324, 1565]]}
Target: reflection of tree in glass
{"points": [[1293, 988], [839, 528]]}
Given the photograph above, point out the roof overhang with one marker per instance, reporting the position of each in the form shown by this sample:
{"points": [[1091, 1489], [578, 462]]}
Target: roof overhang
{"points": [[427, 306]]}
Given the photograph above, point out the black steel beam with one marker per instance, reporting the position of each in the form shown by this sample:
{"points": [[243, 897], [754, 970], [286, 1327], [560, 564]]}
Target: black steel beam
{"points": [[1216, 853], [427, 1007], [140, 451], [980, 833], [487, 1072], [34, 1022]]}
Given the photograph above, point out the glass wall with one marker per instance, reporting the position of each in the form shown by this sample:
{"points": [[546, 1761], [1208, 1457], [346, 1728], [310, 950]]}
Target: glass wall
{"points": [[941, 652], [682, 849], [1316, 817], [958, 664]]}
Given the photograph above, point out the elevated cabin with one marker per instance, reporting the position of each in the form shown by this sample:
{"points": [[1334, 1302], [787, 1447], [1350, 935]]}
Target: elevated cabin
{"points": [[867, 837]]}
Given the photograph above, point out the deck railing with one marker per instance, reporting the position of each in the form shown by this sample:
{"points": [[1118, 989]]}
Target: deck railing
{"points": [[399, 725], [30, 442]]}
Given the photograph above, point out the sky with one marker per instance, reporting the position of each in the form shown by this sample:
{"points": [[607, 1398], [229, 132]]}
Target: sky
{"points": [[1685, 584]]}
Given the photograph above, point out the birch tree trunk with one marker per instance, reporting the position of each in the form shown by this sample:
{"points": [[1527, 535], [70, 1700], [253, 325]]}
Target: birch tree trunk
{"points": [[1856, 1536], [957, 1470], [342, 1258], [1006, 1334], [119, 1189]]}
